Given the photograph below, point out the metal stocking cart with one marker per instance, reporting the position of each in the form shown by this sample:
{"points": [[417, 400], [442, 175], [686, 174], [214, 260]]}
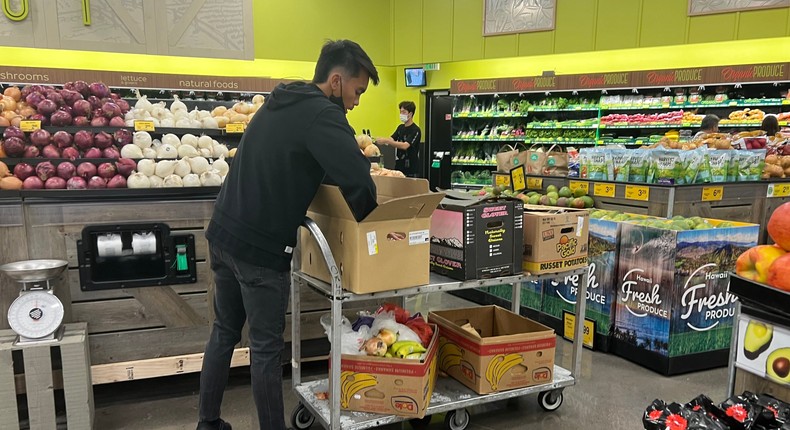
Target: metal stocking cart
{"points": [[449, 396]]}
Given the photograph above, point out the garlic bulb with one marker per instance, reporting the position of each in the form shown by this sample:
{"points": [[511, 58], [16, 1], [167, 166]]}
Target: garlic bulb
{"points": [[173, 181], [156, 181]]}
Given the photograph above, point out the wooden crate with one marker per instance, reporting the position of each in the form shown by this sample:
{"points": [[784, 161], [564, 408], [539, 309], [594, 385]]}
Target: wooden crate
{"points": [[41, 380]]}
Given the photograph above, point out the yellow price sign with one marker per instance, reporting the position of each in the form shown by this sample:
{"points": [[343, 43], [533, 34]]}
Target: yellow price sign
{"points": [[235, 127], [518, 178], [604, 190], [140, 125], [501, 180], [29, 125], [588, 331], [579, 185], [710, 194], [535, 183], [779, 190], [637, 192]]}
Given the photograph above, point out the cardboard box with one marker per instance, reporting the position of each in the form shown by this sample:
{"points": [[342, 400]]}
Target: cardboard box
{"points": [[394, 386], [555, 239], [475, 238], [674, 309], [510, 352], [387, 250]]}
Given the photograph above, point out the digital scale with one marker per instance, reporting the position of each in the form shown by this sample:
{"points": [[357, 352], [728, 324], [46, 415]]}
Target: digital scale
{"points": [[36, 315]]}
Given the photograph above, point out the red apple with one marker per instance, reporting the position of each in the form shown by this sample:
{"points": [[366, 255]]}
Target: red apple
{"points": [[779, 273], [779, 226], [754, 263]]}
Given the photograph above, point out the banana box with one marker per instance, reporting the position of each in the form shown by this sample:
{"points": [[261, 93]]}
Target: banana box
{"points": [[392, 386], [504, 352]]}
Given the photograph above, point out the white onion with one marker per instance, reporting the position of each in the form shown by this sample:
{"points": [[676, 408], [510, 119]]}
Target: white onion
{"points": [[168, 122], [210, 179], [185, 151], [184, 123], [193, 114], [129, 115], [149, 153], [177, 105], [205, 142], [173, 181], [129, 123], [142, 139], [160, 112], [156, 143], [198, 164], [206, 152], [181, 115], [189, 139], [195, 123], [166, 151], [182, 167], [156, 181], [219, 150], [138, 180], [165, 168], [131, 151], [202, 114], [146, 167], [209, 122], [142, 102], [191, 180], [221, 166], [171, 139]]}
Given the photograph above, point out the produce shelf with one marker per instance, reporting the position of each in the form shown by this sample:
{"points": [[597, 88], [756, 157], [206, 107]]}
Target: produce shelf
{"points": [[562, 126], [732, 103], [159, 130], [472, 164], [560, 142], [475, 186], [755, 294], [490, 139], [122, 193]]}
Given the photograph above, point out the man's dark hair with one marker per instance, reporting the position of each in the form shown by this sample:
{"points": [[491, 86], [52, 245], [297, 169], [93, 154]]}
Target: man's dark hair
{"points": [[770, 125], [709, 122], [345, 54], [408, 105]]}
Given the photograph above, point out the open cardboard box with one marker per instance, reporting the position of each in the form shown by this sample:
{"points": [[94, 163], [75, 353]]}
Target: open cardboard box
{"points": [[388, 250], [555, 239], [396, 386], [508, 351]]}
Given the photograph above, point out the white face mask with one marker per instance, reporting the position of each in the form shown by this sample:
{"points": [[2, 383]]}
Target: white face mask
{"points": [[404, 117]]}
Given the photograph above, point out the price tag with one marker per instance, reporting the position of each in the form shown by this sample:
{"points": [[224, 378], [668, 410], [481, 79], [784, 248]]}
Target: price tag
{"points": [[29, 125], [779, 190], [785, 102], [518, 178], [604, 190], [710, 194], [501, 180], [535, 183], [664, 105], [637, 192], [588, 332], [140, 125], [579, 185], [235, 127], [733, 103]]}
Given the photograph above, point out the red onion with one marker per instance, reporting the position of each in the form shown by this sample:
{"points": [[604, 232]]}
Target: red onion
{"points": [[46, 107], [55, 183], [82, 121], [92, 153], [13, 132], [50, 151], [45, 170], [61, 138], [99, 121], [34, 98], [71, 153], [31, 152], [66, 170], [27, 89], [123, 137], [68, 86], [60, 118], [33, 183], [82, 88], [82, 108], [124, 105], [102, 139], [14, 146], [97, 182], [111, 153], [56, 97], [106, 170], [68, 110], [86, 170], [95, 103], [125, 166], [99, 90], [24, 171], [76, 183], [83, 139], [40, 137], [117, 121], [115, 96], [71, 97], [39, 117], [110, 110], [117, 181]]}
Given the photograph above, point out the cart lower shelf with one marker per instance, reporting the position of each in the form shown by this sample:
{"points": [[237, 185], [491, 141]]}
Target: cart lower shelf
{"points": [[448, 395]]}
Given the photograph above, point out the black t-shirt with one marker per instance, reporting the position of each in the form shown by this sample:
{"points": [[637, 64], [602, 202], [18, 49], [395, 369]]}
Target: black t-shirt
{"points": [[406, 160]]}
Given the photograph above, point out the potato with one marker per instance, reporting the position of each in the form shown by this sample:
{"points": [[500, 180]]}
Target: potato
{"points": [[372, 151]]}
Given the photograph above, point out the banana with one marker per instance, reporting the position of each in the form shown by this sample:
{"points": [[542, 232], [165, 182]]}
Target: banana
{"points": [[491, 370], [509, 361], [355, 383], [402, 343], [405, 350], [413, 356]]}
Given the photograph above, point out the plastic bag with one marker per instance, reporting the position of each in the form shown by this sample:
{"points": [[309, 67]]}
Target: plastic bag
{"points": [[386, 320], [350, 340]]}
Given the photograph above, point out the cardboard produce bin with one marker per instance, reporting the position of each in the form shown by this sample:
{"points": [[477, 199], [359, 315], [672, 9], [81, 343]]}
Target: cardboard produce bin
{"points": [[474, 238], [674, 309], [387, 250], [395, 386], [555, 239], [510, 352]]}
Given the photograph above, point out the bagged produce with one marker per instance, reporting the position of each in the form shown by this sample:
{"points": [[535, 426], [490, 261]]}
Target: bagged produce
{"points": [[719, 164], [694, 166], [750, 164], [593, 162], [667, 167], [620, 167], [639, 163]]}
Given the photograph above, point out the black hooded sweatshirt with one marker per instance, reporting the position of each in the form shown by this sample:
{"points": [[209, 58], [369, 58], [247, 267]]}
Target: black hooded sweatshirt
{"points": [[294, 140]]}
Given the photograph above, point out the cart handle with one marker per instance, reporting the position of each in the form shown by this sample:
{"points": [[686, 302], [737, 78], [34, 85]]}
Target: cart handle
{"points": [[323, 244]]}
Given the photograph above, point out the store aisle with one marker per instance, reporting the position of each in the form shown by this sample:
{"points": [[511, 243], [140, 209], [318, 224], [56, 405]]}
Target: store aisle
{"points": [[611, 395]]}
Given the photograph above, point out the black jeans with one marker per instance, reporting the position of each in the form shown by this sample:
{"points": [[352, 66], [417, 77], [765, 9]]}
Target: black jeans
{"points": [[258, 295]]}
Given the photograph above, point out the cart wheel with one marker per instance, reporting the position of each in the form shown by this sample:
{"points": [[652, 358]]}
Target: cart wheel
{"points": [[457, 419], [301, 418], [420, 423], [550, 400]]}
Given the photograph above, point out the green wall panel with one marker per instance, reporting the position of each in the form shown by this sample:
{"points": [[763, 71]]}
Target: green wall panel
{"points": [[618, 24], [407, 34], [467, 30], [712, 28], [663, 22], [575, 29], [437, 31], [501, 46], [537, 43], [762, 23]]}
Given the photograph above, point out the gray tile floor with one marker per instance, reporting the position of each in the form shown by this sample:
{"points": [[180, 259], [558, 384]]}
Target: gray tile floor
{"points": [[611, 395]]}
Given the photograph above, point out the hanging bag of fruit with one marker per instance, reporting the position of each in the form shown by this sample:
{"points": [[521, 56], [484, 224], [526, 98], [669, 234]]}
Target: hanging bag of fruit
{"points": [[556, 162], [510, 157]]}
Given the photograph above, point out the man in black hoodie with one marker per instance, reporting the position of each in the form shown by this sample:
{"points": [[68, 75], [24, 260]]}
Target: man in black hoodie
{"points": [[299, 136]]}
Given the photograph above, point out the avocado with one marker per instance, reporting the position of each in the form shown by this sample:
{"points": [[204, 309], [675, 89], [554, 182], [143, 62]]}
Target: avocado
{"points": [[757, 339], [777, 367]]}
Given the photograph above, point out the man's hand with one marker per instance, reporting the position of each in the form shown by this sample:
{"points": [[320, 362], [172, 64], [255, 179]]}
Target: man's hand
{"points": [[384, 140]]}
